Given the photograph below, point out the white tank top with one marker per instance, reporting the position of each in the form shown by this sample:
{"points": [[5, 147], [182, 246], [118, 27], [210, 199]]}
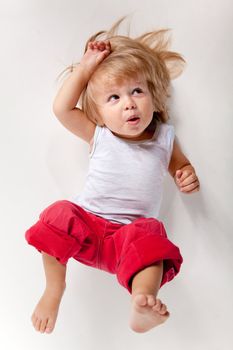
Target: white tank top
{"points": [[125, 178]]}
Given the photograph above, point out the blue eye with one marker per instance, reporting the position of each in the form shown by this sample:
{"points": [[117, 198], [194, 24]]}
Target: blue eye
{"points": [[113, 97]]}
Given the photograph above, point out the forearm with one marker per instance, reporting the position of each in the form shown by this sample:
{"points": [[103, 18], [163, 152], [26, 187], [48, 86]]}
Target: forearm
{"points": [[178, 159], [70, 92], [182, 171]]}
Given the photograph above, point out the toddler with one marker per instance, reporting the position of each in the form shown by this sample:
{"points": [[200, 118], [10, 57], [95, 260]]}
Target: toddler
{"points": [[113, 223]]}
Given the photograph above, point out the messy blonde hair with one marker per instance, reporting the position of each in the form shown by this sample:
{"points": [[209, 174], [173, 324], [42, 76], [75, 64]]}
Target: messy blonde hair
{"points": [[146, 56]]}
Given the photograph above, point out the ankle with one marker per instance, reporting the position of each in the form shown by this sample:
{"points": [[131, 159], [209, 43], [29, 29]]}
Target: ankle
{"points": [[55, 288], [144, 291]]}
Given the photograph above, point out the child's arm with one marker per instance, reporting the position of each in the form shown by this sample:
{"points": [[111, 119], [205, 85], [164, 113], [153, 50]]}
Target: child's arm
{"points": [[64, 105], [182, 171]]}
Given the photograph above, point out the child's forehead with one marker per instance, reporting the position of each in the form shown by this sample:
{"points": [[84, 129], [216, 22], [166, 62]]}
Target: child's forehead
{"points": [[112, 83]]}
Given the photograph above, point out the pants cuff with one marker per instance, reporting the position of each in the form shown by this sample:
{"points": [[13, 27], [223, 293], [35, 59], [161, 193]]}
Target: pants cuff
{"points": [[53, 242], [146, 252]]}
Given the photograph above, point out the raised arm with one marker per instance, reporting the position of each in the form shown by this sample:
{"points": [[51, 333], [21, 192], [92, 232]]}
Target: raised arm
{"points": [[64, 105], [182, 171]]}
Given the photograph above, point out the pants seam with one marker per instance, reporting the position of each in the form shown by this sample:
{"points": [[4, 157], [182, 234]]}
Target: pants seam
{"points": [[100, 245]]}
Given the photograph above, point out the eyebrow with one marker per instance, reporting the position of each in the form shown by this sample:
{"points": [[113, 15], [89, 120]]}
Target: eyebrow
{"points": [[115, 87]]}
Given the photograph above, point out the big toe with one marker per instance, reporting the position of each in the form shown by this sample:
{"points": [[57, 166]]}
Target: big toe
{"points": [[140, 300], [50, 326]]}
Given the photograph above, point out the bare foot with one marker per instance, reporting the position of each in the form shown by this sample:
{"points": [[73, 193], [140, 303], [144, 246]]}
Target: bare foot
{"points": [[147, 312], [45, 314]]}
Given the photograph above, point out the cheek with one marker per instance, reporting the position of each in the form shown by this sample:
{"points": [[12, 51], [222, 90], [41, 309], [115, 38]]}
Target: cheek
{"points": [[109, 113], [148, 104], [149, 108]]}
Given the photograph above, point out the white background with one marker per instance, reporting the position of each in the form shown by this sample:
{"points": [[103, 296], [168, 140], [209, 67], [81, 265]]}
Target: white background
{"points": [[42, 162]]}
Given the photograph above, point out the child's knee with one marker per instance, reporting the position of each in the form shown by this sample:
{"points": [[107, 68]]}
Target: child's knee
{"points": [[51, 219], [55, 211], [51, 233], [51, 209]]}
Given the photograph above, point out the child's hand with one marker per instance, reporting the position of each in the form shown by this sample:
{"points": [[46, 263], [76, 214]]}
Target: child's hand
{"points": [[95, 54], [187, 180]]}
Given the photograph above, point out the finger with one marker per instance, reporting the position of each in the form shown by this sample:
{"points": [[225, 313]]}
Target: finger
{"points": [[195, 190], [90, 45], [95, 45], [178, 174], [101, 45], [108, 45], [188, 180], [185, 174], [102, 56], [190, 187]]}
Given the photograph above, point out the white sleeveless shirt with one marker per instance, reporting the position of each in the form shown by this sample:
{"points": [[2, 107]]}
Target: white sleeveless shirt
{"points": [[125, 177]]}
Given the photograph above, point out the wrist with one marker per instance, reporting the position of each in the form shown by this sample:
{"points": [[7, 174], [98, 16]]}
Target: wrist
{"points": [[186, 165], [83, 69]]}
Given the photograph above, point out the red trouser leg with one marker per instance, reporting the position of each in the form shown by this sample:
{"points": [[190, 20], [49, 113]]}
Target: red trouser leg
{"points": [[135, 246], [61, 230]]}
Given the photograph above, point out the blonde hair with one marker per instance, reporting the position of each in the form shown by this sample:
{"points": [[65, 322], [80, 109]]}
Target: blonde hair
{"points": [[147, 56]]}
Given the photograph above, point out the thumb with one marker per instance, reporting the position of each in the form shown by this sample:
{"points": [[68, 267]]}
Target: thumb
{"points": [[178, 174]]}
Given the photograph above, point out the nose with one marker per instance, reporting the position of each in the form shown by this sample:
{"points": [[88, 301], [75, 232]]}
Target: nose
{"points": [[129, 103]]}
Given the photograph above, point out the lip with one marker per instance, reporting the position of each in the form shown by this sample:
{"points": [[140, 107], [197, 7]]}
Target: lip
{"points": [[133, 122], [132, 116]]}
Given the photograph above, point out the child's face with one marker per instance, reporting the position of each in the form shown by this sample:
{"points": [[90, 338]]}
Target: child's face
{"points": [[118, 102]]}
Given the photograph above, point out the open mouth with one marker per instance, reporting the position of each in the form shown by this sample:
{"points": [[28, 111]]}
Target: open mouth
{"points": [[133, 120]]}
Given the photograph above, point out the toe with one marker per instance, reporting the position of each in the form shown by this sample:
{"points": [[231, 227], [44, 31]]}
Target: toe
{"points": [[163, 309], [37, 324], [160, 308], [49, 327], [141, 299], [157, 305], [151, 300], [33, 319], [43, 325]]}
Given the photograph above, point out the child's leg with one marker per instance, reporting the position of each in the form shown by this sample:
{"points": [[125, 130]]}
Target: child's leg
{"points": [[45, 313], [147, 311]]}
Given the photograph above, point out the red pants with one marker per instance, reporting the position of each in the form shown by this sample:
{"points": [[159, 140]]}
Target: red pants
{"points": [[65, 230]]}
